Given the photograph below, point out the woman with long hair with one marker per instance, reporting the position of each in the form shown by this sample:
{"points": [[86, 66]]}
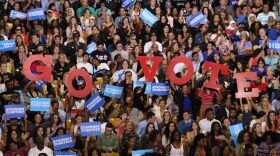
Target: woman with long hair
{"points": [[145, 139], [131, 145], [263, 105], [21, 55], [243, 139], [257, 133], [39, 131], [260, 69], [176, 147], [167, 117], [125, 30], [226, 131], [194, 130], [128, 132], [215, 21], [216, 130], [206, 12], [166, 137], [272, 122], [74, 128], [55, 123], [73, 25], [198, 147], [155, 142], [189, 44]]}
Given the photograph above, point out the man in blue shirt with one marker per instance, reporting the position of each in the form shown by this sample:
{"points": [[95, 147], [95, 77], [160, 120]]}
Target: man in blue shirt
{"points": [[150, 118], [185, 124], [275, 33]]}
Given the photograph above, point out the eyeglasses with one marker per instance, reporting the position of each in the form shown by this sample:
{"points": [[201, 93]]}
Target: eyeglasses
{"points": [[128, 75], [18, 29]]}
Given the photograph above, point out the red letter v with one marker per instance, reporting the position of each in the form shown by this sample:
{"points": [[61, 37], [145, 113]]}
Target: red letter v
{"points": [[149, 74]]}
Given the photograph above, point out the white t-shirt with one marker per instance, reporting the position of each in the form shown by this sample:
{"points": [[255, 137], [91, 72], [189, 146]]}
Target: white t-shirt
{"points": [[35, 152], [87, 66], [102, 66], [148, 46], [205, 125], [124, 54]]}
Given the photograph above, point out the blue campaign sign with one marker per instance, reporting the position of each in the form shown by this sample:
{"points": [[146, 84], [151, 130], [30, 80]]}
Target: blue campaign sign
{"points": [[235, 130], [148, 88], [127, 4], [95, 102], [196, 19], [274, 45], [15, 111], [90, 129], [65, 154], [7, 45], [160, 89], [62, 142], [40, 104], [113, 91], [36, 14], [17, 14], [148, 17], [39, 84], [91, 47], [141, 152], [138, 84]]}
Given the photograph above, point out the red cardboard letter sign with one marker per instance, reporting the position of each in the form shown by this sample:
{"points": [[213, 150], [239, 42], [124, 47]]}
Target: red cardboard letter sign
{"points": [[241, 84], [44, 70], [215, 68], [173, 77], [149, 74], [71, 76]]}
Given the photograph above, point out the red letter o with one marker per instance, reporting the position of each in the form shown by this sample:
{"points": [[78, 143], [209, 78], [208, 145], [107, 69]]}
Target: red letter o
{"points": [[71, 76], [173, 77]]}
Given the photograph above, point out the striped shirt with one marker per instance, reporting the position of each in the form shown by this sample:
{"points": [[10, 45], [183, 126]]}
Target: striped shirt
{"points": [[207, 98]]}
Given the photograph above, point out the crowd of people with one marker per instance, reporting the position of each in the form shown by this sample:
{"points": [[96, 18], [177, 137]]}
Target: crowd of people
{"points": [[105, 39]]}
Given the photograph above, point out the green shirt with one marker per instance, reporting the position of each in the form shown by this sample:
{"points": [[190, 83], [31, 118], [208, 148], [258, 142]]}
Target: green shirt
{"points": [[81, 10], [108, 141], [98, 11]]}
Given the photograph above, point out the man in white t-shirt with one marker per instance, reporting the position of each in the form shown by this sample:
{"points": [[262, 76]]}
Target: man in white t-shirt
{"points": [[119, 50], [148, 45], [205, 124], [85, 64], [263, 16], [40, 148], [99, 66]]}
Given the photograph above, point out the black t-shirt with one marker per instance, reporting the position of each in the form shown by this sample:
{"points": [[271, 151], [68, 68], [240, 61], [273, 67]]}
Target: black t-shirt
{"points": [[103, 57], [58, 69]]}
